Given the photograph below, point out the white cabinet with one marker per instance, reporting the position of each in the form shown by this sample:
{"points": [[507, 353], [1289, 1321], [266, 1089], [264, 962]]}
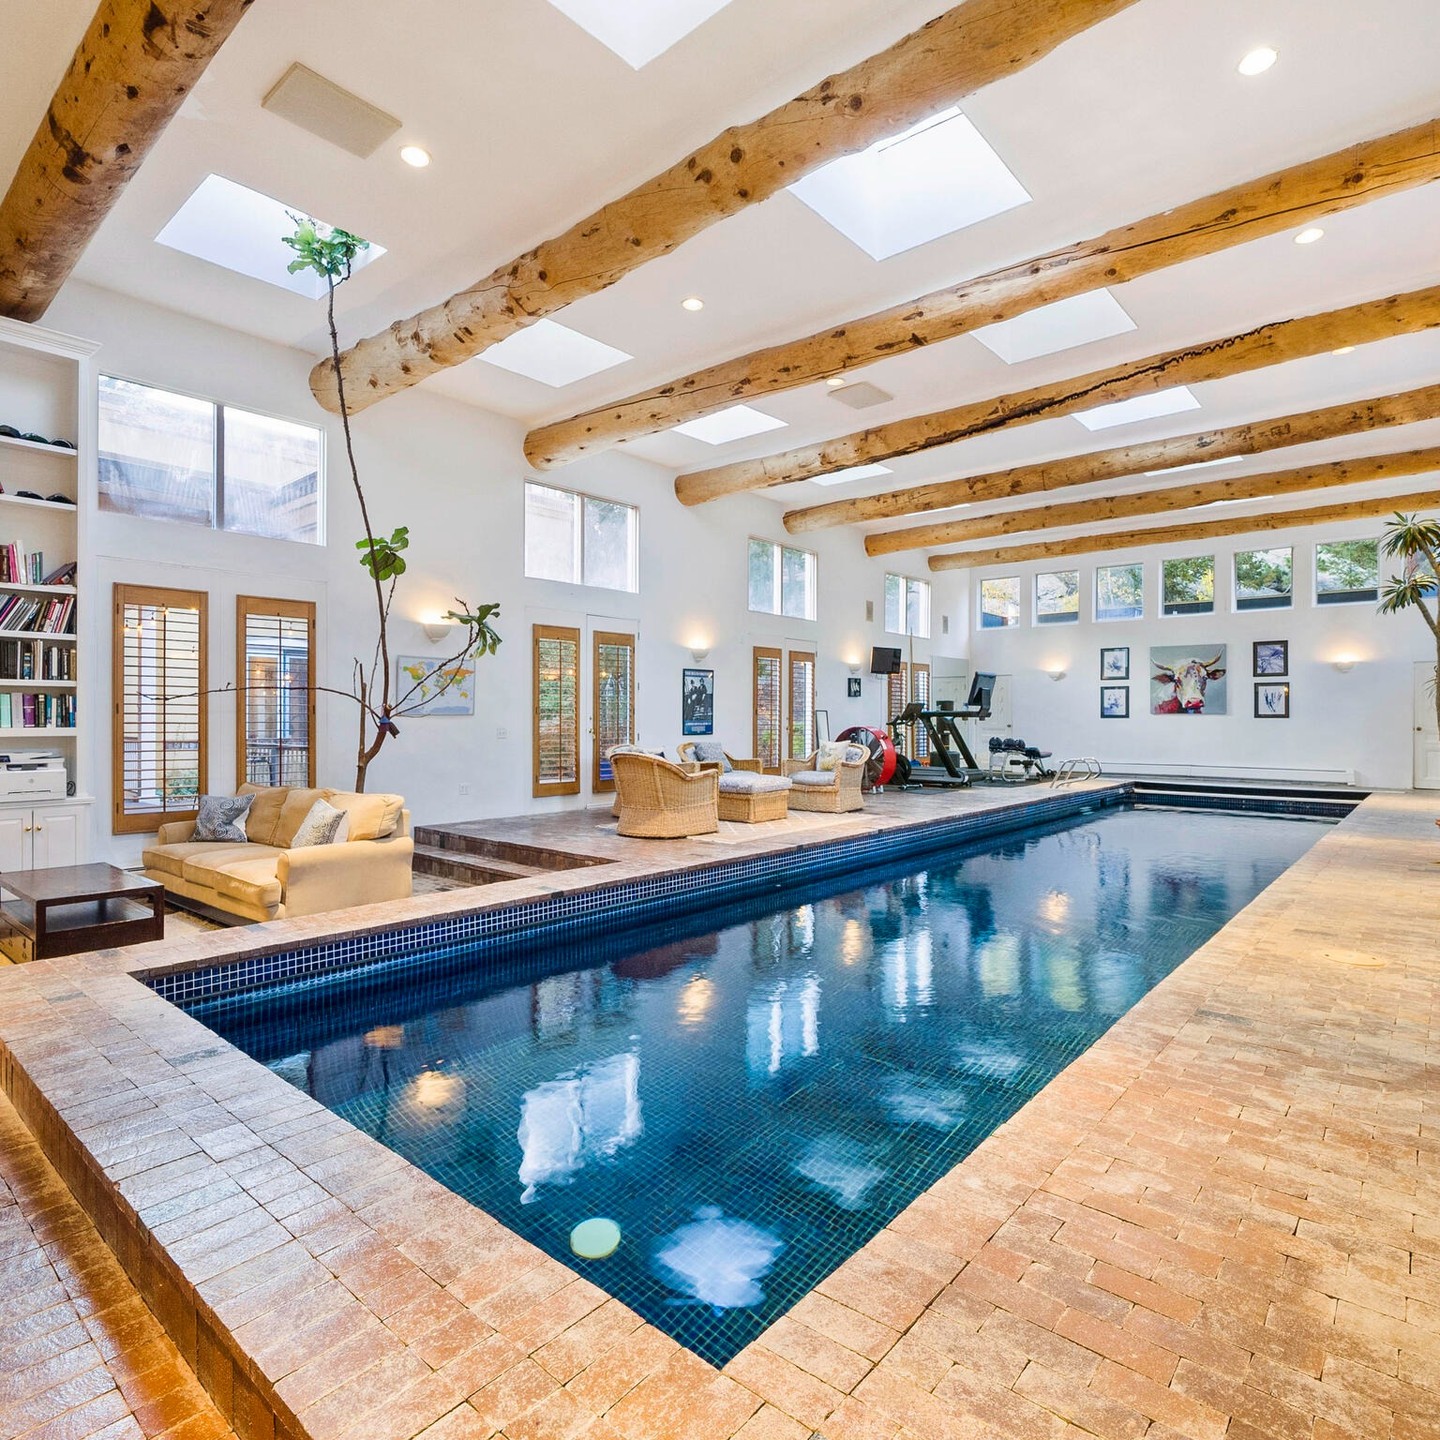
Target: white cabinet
{"points": [[41, 836]]}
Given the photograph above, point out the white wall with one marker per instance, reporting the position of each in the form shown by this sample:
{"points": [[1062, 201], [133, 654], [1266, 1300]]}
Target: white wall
{"points": [[1359, 722], [454, 475]]}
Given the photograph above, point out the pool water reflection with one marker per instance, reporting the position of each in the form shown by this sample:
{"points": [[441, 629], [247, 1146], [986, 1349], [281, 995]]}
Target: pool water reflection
{"points": [[752, 1093]]}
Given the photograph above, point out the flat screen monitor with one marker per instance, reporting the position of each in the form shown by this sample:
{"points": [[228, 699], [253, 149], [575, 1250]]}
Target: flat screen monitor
{"points": [[885, 660], [981, 689]]}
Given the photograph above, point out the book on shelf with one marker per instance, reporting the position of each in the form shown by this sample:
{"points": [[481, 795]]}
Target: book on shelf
{"points": [[34, 613], [34, 659], [36, 711], [19, 566]]}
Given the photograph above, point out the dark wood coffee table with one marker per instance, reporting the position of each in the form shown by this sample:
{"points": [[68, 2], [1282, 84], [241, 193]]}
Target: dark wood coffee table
{"points": [[70, 908]]}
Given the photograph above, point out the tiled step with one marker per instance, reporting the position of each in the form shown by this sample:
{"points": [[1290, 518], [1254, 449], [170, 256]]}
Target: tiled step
{"points": [[470, 869], [458, 840]]}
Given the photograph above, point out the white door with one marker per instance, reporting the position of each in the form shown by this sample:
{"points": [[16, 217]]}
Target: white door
{"points": [[999, 722], [57, 838], [15, 840], [1427, 739]]}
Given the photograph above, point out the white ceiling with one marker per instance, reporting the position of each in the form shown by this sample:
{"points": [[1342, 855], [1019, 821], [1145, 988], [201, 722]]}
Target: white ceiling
{"points": [[532, 124]]}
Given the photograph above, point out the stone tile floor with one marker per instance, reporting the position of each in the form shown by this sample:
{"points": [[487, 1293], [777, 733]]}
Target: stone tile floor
{"points": [[1223, 1220]]}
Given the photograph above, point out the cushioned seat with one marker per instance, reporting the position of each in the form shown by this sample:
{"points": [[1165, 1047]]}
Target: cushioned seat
{"points": [[171, 859], [238, 872], [752, 798], [743, 782], [829, 779], [813, 777]]}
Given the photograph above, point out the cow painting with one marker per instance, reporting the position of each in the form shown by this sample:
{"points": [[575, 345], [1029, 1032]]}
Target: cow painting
{"points": [[1187, 680]]}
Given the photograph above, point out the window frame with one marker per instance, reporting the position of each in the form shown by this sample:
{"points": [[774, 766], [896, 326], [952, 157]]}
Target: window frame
{"points": [[564, 634], [1367, 596], [601, 782], [247, 606], [217, 465], [1166, 613], [582, 497], [777, 584], [981, 612], [800, 669], [148, 822], [1059, 617], [1249, 605], [1102, 619], [766, 655], [906, 581]]}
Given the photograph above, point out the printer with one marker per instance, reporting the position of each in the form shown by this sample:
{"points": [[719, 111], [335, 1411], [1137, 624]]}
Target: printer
{"points": [[32, 775]]}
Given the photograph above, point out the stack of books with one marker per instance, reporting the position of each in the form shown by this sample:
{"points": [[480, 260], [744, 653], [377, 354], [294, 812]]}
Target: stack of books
{"points": [[35, 660], [36, 712], [36, 614]]}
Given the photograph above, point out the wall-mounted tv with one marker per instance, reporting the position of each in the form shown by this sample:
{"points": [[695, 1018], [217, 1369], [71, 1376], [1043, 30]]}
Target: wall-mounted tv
{"points": [[885, 660]]}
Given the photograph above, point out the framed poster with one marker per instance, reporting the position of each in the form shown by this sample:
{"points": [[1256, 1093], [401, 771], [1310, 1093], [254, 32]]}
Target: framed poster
{"points": [[852, 687], [441, 689], [1114, 702], [697, 702], [1272, 657], [1272, 700], [1115, 662], [1187, 680]]}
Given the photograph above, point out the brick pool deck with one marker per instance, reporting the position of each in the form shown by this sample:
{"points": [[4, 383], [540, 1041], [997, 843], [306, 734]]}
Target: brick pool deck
{"points": [[1222, 1220]]}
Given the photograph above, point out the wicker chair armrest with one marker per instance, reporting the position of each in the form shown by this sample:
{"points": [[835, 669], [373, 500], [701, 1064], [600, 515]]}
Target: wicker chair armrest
{"points": [[753, 767]]}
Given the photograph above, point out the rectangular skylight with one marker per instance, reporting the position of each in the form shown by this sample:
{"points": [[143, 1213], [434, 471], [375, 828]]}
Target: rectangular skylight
{"points": [[1061, 326], [1199, 465], [934, 178], [854, 472], [553, 354], [241, 229], [639, 30], [737, 423], [1142, 407]]}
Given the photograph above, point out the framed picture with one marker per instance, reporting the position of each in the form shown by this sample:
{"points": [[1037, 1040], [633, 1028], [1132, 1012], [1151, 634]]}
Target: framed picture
{"points": [[1272, 657], [697, 702], [1114, 702], [822, 726], [1188, 680], [1272, 700], [439, 689], [852, 688], [1115, 662]]}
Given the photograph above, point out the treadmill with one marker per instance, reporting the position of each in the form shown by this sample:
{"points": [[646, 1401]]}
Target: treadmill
{"points": [[958, 765]]}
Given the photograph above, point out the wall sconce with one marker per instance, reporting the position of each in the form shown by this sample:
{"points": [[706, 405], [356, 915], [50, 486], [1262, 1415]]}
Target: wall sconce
{"points": [[437, 629], [1345, 664], [1057, 673], [699, 652], [852, 663]]}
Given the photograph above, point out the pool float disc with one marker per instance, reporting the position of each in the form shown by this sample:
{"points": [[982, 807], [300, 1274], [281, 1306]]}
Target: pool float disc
{"points": [[595, 1239]]}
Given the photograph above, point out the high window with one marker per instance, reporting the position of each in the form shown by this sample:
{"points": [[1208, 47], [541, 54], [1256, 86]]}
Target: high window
{"points": [[1119, 592], [159, 676], [1187, 586], [1057, 597], [999, 603], [581, 540], [274, 691], [556, 703], [1263, 579], [166, 456], [907, 606], [782, 580], [1347, 572]]}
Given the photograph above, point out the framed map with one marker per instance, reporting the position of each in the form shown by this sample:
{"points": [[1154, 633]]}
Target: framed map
{"points": [[457, 698]]}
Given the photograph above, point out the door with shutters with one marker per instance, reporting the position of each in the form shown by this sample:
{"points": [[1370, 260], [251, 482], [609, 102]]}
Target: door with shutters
{"points": [[769, 706], [556, 699], [802, 703], [612, 717]]}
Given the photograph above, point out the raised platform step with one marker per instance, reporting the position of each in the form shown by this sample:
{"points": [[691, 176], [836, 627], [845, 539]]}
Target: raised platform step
{"points": [[461, 840], [470, 869]]}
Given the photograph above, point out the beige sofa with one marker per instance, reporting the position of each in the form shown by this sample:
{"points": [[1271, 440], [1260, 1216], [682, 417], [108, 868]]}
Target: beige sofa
{"points": [[265, 879]]}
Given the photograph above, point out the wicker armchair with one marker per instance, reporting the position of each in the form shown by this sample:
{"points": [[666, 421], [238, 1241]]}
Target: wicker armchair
{"points": [[831, 791], [659, 800], [688, 750]]}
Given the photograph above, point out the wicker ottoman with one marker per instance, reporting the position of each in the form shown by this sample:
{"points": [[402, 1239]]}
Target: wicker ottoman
{"points": [[752, 798]]}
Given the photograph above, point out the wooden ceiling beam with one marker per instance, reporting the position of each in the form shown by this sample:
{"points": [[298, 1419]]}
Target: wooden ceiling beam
{"points": [[1255, 349], [1104, 508], [1286, 199], [1354, 418], [963, 50], [138, 61], [1425, 500]]}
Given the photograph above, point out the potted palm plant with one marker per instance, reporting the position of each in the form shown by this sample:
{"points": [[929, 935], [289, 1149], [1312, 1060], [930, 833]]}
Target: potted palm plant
{"points": [[1416, 543]]}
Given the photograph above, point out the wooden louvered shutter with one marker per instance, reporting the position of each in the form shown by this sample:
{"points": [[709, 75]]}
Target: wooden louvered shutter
{"points": [[769, 707], [614, 703], [557, 710], [802, 704], [159, 733], [274, 691], [920, 692]]}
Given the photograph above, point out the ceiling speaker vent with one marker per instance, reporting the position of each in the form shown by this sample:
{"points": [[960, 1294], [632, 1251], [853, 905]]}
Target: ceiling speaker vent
{"points": [[860, 396], [320, 106]]}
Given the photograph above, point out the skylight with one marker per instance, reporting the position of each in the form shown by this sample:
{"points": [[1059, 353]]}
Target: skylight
{"points": [[1142, 407], [1199, 465], [1061, 326], [934, 178], [230, 225], [639, 30], [855, 472], [553, 354], [737, 423]]}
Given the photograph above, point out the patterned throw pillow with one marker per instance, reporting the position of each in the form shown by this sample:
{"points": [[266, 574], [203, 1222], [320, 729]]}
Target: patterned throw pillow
{"points": [[712, 752], [831, 753], [222, 817], [321, 826]]}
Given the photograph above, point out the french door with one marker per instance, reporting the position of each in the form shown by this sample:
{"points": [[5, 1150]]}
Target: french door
{"points": [[612, 716], [783, 699], [910, 682], [570, 703]]}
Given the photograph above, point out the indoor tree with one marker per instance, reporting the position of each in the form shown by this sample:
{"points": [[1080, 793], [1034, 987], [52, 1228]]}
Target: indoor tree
{"points": [[330, 254], [1417, 543]]}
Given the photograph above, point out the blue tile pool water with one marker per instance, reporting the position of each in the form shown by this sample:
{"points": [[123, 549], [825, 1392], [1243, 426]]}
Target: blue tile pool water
{"points": [[752, 1092]]}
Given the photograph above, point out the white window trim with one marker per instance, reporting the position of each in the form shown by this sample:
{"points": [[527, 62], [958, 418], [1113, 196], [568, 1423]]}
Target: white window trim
{"points": [[980, 611], [778, 588], [581, 496], [906, 581], [1095, 594]]}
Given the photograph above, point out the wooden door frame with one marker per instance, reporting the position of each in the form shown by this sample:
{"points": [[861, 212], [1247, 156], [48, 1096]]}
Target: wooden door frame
{"points": [[540, 790], [759, 653], [262, 605], [804, 656], [621, 639]]}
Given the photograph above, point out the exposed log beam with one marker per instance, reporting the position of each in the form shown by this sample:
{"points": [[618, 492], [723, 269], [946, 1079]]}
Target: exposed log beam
{"points": [[962, 51], [1270, 344], [1158, 501], [1283, 200], [137, 63], [1353, 418], [1182, 534]]}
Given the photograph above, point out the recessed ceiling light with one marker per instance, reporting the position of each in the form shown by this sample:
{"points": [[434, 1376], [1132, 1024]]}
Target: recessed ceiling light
{"points": [[1141, 407], [853, 472], [415, 155], [1344, 350], [738, 422], [1062, 325], [693, 302], [553, 354], [1258, 61], [835, 381], [1310, 235]]}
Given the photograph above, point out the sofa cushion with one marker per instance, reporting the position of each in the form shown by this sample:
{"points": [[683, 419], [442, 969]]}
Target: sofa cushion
{"points": [[241, 872], [170, 859], [711, 752], [320, 827], [744, 782], [372, 817], [222, 817], [296, 807], [264, 811], [826, 778], [831, 753]]}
